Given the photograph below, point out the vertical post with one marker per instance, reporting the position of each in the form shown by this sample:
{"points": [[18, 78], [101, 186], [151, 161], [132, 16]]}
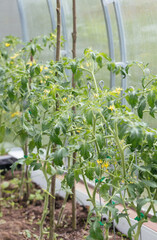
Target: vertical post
{"points": [[53, 181], [122, 43], [23, 21], [110, 39], [50, 7], [74, 37]]}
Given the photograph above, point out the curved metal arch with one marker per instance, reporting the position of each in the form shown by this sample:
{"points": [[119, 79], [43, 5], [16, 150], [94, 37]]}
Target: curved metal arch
{"points": [[64, 29], [23, 21], [120, 30], [110, 38], [122, 43], [52, 15]]}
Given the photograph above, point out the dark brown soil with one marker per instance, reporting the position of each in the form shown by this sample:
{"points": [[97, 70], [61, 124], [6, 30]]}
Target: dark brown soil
{"points": [[20, 220]]}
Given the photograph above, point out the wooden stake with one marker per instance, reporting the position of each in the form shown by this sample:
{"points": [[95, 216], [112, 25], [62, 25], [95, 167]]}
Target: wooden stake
{"points": [[53, 181], [74, 36]]}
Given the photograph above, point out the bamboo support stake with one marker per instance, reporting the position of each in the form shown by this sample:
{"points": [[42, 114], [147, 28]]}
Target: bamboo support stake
{"points": [[53, 181], [74, 37]]}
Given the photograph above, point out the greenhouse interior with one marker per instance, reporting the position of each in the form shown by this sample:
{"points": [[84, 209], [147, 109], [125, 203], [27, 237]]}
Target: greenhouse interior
{"points": [[78, 108]]}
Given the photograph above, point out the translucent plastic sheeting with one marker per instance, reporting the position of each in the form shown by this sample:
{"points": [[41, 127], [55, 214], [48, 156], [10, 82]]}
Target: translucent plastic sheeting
{"points": [[9, 19], [38, 17], [91, 29], [38, 22], [140, 24]]}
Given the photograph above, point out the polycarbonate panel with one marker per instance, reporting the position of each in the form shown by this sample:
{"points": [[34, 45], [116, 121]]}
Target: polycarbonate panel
{"points": [[38, 17], [140, 24], [9, 19]]}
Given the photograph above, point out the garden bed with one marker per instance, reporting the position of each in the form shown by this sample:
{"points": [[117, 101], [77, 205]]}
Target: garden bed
{"points": [[20, 219]]}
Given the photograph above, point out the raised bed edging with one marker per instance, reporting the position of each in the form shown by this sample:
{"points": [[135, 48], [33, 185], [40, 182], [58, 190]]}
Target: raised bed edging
{"points": [[122, 226]]}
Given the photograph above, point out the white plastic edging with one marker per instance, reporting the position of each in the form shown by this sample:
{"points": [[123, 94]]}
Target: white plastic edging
{"points": [[122, 226]]}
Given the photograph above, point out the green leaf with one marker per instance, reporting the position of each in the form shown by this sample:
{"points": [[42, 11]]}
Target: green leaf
{"points": [[151, 98], [70, 179], [131, 189], [141, 203], [135, 136], [24, 82], [84, 150], [36, 166], [46, 125], [131, 229], [95, 232], [31, 145], [152, 112], [118, 200], [100, 140], [55, 139], [58, 156], [153, 219], [89, 117], [45, 104], [150, 183], [141, 106], [150, 138], [50, 169], [2, 133], [4, 185], [11, 93], [104, 191], [132, 98], [33, 111], [73, 66], [89, 172], [37, 141], [33, 49], [99, 61]]}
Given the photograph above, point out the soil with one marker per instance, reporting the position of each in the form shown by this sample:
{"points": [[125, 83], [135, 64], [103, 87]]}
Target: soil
{"points": [[19, 220]]}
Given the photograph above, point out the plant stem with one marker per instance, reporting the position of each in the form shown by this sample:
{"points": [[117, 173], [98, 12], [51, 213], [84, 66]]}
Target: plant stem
{"points": [[120, 150], [152, 205], [62, 210], [52, 209], [45, 208], [95, 83], [27, 173]]}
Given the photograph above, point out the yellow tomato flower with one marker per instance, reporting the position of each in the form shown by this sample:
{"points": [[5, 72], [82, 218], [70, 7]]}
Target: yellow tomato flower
{"points": [[45, 68], [111, 107], [15, 114], [117, 90], [105, 165], [41, 68], [64, 99], [122, 181], [78, 131], [15, 56], [88, 64], [99, 161], [95, 95], [47, 77], [29, 63], [7, 44], [46, 91]]}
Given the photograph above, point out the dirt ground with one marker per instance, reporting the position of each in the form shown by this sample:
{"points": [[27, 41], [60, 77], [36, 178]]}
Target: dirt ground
{"points": [[19, 220]]}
